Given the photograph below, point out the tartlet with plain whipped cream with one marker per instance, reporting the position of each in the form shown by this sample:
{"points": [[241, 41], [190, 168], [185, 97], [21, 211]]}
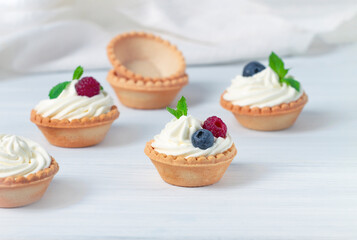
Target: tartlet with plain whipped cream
{"points": [[79, 113], [265, 98], [191, 153], [148, 72], [26, 170]]}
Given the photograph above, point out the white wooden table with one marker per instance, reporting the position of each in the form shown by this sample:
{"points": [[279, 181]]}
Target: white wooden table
{"points": [[300, 183]]}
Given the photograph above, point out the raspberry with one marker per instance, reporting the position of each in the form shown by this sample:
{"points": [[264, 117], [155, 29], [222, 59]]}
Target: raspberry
{"points": [[88, 86], [216, 126]]}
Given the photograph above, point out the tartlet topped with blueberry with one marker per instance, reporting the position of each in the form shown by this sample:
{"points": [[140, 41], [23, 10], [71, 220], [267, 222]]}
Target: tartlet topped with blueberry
{"points": [[189, 152], [78, 113], [265, 98]]}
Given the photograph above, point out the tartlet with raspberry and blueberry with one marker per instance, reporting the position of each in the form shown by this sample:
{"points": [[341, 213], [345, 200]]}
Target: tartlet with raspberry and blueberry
{"points": [[79, 113], [191, 153], [265, 98]]}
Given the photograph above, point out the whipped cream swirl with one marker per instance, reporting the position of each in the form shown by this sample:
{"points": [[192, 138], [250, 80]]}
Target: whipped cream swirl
{"points": [[260, 90], [69, 105], [20, 156], [175, 139]]}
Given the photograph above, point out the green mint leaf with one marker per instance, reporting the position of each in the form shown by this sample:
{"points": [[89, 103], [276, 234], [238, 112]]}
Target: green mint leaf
{"points": [[277, 64], [174, 112], [77, 73], [101, 88], [181, 108], [57, 90], [182, 105], [291, 82]]}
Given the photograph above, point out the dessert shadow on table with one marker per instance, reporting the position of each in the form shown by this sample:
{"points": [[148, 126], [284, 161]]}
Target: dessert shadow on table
{"points": [[311, 120], [239, 174], [121, 134], [61, 193], [197, 92]]}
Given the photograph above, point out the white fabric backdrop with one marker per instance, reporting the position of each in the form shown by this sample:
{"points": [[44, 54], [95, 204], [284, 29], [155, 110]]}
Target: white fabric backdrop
{"points": [[53, 35]]}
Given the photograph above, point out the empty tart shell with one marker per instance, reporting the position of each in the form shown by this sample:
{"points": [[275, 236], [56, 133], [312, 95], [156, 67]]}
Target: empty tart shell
{"points": [[193, 171], [143, 56], [267, 118], [76, 133], [21, 191], [145, 94]]}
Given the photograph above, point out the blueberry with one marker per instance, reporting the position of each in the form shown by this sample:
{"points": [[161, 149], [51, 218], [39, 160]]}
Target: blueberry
{"points": [[252, 68], [202, 139]]}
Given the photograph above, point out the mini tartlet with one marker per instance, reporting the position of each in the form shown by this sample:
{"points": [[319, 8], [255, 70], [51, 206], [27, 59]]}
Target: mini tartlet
{"points": [[267, 118], [79, 113], [76, 133], [24, 176], [193, 171], [145, 94], [265, 98], [190, 153], [148, 72]]}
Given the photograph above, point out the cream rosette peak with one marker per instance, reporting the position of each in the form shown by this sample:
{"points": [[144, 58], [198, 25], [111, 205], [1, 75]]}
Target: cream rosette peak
{"points": [[176, 137], [264, 86], [20, 156], [66, 103]]}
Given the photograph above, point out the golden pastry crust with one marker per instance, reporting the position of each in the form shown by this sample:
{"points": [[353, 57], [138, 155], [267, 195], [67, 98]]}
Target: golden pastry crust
{"points": [[120, 68], [31, 178], [75, 123], [76, 133], [193, 171], [227, 155], [145, 95], [140, 85], [265, 111]]}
